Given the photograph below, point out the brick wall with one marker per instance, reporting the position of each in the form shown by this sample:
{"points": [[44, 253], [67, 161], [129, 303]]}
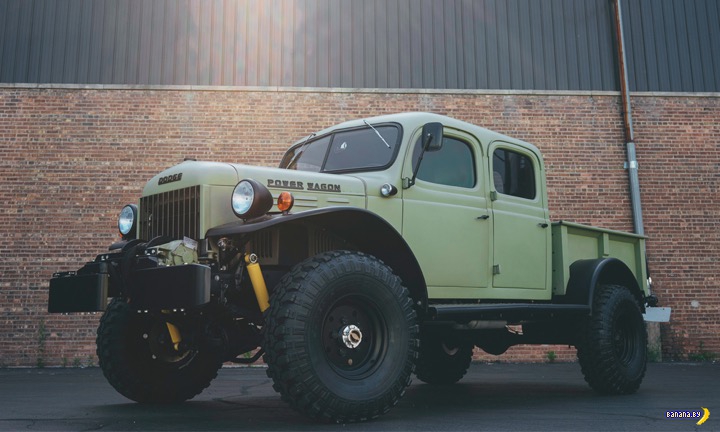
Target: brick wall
{"points": [[70, 158]]}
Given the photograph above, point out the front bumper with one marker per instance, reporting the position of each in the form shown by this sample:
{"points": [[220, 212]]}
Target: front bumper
{"points": [[146, 285]]}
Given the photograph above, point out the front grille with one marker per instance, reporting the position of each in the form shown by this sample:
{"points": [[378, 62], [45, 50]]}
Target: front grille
{"points": [[175, 214]]}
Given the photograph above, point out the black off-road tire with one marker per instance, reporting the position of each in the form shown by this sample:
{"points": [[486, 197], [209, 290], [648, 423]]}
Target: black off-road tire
{"points": [[442, 362], [149, 373], [613, 343], [307, 355]]}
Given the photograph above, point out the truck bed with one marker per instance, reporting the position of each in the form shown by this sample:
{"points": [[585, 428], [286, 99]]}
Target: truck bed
{"points": [[572, 242]]}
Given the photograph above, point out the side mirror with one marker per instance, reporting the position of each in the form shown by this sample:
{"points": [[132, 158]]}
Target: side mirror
{"points": [[432, 140], [432, 136]]}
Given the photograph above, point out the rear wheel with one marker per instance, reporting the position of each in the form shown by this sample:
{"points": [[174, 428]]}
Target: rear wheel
{"points": [[613, 348], [442, 361], [140, 361], [341, 337]]}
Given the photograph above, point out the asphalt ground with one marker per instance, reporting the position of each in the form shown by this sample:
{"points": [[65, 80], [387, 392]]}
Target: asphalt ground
{"points": [[499, 396]]}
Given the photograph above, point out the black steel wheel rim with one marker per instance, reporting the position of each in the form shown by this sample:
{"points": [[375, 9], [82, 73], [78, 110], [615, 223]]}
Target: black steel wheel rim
{"points": [[359, 315], [150, 340], [625, 337]]}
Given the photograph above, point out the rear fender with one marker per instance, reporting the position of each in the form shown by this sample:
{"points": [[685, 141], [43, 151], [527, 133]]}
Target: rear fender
{"points": [[367, 231], [586, 275]]}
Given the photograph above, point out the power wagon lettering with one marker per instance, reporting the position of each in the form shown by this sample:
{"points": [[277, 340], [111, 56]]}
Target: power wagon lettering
{"points": [[298, 185]]}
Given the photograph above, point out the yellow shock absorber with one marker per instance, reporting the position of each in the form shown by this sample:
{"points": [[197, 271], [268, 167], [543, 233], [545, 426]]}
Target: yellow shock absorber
{"points": [[257, 280], [175, 335]]}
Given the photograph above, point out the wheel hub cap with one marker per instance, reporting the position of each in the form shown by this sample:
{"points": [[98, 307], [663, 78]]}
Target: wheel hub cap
{"points": [[351, 336]]}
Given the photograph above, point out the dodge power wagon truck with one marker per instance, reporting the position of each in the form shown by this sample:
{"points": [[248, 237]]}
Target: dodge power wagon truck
{"points": [[379, 248]]}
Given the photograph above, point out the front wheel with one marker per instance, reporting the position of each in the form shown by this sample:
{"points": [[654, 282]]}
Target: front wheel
{"points": [[140, 361], [613, 345], [341, 337]]}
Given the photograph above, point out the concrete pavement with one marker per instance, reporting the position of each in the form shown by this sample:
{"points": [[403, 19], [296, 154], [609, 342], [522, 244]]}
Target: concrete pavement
{"points": [[521, 397]]}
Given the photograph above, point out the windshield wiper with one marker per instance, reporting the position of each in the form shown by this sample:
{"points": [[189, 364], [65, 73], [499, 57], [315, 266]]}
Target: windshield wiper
{"points": [[378, 133], [300, 151]]}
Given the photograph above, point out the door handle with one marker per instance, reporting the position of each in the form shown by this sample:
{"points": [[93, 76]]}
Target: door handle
{"points": [[483, 217], [543, 225]]}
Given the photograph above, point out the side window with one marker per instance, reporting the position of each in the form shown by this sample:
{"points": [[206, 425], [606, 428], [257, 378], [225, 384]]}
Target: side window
{"points": [[452, 165], [513, 174]]}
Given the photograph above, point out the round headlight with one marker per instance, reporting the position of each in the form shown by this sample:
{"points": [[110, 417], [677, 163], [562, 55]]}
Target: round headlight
{"points": [[127, 221], [242, 198], [251, 199]]}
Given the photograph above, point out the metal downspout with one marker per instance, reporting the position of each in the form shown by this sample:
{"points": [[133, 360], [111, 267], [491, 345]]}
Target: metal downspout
{"points": [[654, 338], [632, 164]]}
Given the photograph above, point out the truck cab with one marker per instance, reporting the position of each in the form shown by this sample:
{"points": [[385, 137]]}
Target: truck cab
{"points": [[489, 192]]}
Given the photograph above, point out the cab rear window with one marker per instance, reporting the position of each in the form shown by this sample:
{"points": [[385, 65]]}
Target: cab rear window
{"points": [[513, 174]]}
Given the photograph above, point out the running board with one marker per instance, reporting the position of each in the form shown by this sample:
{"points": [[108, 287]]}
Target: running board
{"points": [[504, 311]]}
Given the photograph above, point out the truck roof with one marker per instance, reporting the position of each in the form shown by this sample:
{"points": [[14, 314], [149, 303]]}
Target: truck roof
{"points": [[412, 120]]}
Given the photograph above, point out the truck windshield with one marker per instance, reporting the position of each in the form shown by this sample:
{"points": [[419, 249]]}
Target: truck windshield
{"points": [[359, 149]]}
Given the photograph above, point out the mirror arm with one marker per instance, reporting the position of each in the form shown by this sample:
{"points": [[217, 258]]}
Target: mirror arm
{"points": [[425, 146]]}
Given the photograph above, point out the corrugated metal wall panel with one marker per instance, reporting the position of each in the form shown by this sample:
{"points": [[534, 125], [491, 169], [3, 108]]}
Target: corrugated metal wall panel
{"points": [[695, 38], [9, 36], [673, 45], [713, 17]]}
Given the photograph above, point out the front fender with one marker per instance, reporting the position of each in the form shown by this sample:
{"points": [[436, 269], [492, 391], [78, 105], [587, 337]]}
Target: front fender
{"points": [[368, 231]]}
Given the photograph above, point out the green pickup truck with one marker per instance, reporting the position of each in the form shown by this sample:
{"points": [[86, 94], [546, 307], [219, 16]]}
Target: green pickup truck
{"points": [[379, 248]]}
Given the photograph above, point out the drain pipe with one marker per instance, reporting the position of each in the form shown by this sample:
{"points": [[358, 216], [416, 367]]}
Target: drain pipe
{"points": [[632, 165], [653, 328]]}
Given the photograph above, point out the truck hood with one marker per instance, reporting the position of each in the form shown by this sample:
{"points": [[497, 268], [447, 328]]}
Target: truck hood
{"points": [[302, 181], [191, 173], [311, 190]]}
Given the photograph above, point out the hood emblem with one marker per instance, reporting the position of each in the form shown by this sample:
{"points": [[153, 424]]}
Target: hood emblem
{"points": [[170, 179]]}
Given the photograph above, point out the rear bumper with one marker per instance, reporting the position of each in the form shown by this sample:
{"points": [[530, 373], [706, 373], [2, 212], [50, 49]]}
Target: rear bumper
{"points": [[153, 288], [657, 314]]}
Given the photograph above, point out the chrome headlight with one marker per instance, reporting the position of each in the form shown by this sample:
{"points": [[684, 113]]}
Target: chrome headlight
{"points": [[127, 221], [388, 190], [251, 199]]}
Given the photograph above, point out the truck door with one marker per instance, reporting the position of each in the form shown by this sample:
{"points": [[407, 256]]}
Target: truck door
{"points": [[446, 216], [521, 238]]}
